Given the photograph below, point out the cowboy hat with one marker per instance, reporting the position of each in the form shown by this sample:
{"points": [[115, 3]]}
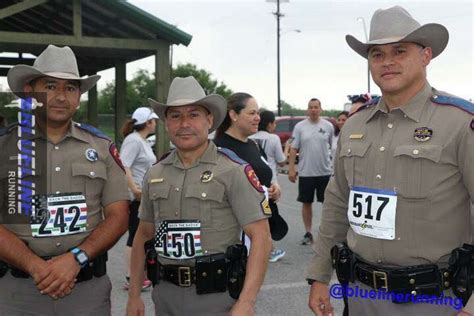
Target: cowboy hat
{"points": [[187, 91], [56, 62], [397, 25]]}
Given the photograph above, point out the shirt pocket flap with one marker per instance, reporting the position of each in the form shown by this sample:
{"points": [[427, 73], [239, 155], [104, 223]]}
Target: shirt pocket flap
{"points": [[430, 152], [354, 150], [95, 170], [211, 191], [159, 191]]}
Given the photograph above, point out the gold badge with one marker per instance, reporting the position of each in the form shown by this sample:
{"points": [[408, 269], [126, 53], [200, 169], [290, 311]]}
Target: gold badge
{"points": [[157, 180], [356, 136], [206, 176]]}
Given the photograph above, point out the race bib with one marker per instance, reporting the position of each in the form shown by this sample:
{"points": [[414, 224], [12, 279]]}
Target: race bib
{"points": [[371, 212], [178, 239], [58, 214]]}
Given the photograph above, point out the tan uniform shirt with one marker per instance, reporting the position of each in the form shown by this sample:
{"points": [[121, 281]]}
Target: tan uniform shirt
{"points": [[434, 182], [223, 205], [62, 168]]}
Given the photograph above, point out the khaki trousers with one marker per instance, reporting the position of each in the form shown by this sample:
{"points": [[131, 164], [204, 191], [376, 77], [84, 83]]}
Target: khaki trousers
{"points": [[20, 297], [170, 299]]}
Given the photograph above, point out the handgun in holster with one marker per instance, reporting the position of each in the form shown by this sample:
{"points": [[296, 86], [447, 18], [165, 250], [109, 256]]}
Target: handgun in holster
{"points": [[461, 264], [152, 264], [237, 266], [342, 259]]}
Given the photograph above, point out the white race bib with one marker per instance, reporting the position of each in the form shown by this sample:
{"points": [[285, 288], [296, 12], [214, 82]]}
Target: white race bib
{"points": [[372, 212], [58, 214], [178, 239]]}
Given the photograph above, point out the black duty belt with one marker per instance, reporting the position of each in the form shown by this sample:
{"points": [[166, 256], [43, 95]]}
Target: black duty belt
{"points": [[183, 276], [96, 268], [426, 279]]}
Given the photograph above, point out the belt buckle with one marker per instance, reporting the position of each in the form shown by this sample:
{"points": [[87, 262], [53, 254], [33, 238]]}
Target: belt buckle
{"points": [[186, 273], [383, 276]]}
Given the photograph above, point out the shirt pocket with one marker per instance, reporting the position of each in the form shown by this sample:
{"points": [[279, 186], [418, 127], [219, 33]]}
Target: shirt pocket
{"points": [[89, 179], [354, 156], [206, 203], [415, 169], [159, 193]]}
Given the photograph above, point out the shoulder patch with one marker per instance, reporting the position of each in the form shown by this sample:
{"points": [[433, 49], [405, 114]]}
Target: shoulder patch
{"points": [[231, 155], [372, 102], [116, 155], [93, 130], [453, 101], [8, 129], [252, 177]]}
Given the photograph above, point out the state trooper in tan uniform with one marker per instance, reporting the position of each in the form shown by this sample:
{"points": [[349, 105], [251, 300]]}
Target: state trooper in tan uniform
{"points": [[404, 179], [54, 235], [195, 203]]}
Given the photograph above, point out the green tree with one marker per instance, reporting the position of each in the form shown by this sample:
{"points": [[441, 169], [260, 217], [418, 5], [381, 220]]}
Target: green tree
{"points": [[204, 78]]}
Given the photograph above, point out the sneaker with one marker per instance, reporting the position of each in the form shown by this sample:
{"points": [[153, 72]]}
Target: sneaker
{"points": [[276, 255], [307, 239], [145, 285]]}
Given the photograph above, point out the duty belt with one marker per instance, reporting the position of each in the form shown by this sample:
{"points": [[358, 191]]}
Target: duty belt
{"points": [[183, 276], [426, 279], [96, 268]]}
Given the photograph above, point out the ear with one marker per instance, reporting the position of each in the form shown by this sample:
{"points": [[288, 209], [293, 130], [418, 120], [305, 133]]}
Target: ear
{"points": [[210, 120], [233, 115], [427, 55]]}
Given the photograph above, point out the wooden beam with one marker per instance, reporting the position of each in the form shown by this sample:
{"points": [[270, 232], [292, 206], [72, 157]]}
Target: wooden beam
{"points": [[120, 99], [85, 41], [16, 61], [92, 104], [77, 18], [19, 7], [163, 81]]}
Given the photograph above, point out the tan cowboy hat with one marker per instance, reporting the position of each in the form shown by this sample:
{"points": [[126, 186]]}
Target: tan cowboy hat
{"points": [[56, 62], [397, 25], [187, 91]]}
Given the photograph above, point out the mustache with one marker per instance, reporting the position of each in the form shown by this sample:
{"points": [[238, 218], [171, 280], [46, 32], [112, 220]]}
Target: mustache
{"points": [[182, 131]]}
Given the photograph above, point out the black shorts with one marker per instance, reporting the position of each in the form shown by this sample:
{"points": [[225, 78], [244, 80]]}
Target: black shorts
{"points": [[307, 186], [132, 222]]}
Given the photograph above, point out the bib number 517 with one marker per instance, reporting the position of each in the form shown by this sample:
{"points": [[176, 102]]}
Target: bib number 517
{"points": [[359, 204]]}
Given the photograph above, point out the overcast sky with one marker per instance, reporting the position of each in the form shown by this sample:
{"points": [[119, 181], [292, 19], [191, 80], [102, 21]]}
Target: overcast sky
{"points": [[235, 40]]}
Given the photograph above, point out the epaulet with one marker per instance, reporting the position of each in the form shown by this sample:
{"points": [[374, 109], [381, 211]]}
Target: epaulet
{"points": [[93, 130], [6, 130], [453, 101], [370, 103], [231, 155]]}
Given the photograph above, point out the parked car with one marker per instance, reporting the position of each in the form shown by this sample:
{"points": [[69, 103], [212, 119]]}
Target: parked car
{"points": [[285, 126]]}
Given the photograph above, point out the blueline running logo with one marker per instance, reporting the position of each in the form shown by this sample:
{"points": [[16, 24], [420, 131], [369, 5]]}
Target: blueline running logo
{"points": [[337, 291], [26, 159]]}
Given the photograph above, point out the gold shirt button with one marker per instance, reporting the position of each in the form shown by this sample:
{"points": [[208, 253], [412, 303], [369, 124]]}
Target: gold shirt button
{"points": [[58, 244], [416, 151], [177, 213], [382, 148], [57, 168], [177, 189], [56, 147], [203, 194], [349, 150], [57, 192], [378, 177], [390, 125], [379, 261], [92, 173]]}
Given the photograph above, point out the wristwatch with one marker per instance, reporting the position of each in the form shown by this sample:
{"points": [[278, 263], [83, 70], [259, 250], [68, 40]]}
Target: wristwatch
{"points": [[81, 256]]}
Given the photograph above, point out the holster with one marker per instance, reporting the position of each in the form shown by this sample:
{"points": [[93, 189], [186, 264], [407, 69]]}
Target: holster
{"points": [[461, 263], [342, 262], [237, 265], [211, 274], [152, 264]]}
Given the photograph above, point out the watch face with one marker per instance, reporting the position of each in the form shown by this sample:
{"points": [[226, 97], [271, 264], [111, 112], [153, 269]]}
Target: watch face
{"points": [[81, 257]]}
